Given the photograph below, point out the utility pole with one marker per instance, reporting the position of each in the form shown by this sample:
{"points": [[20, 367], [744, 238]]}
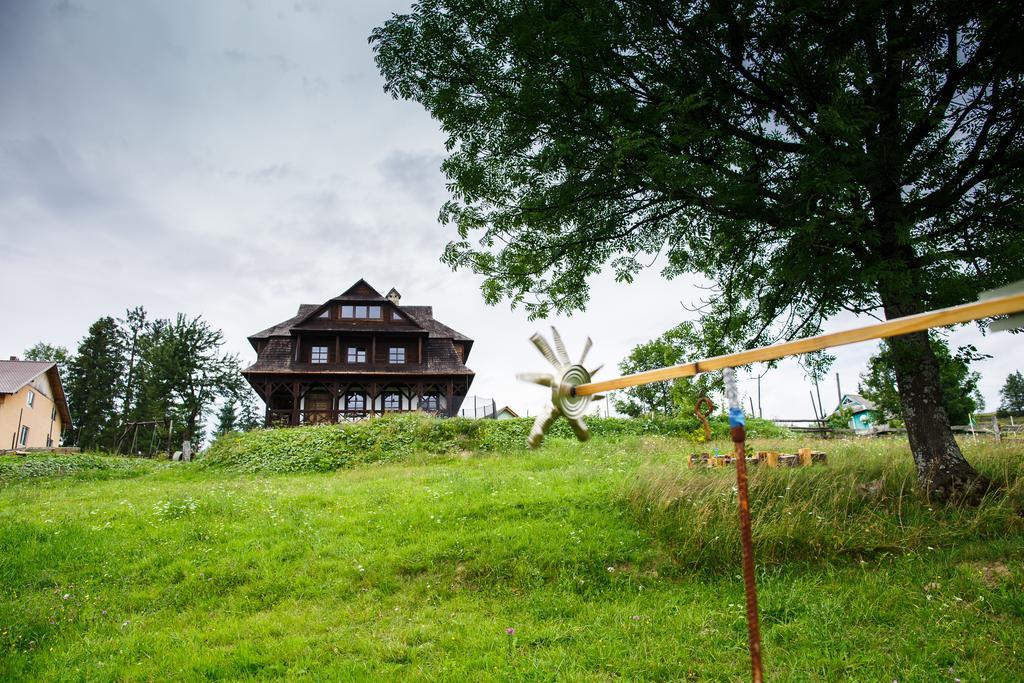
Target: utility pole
{"points": [[821, 408], [839, 389], [759, 413]]}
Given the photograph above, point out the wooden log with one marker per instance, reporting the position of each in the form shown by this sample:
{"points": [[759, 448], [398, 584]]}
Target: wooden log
{"points": [[805, 456], [773, 459], [818, 457]]}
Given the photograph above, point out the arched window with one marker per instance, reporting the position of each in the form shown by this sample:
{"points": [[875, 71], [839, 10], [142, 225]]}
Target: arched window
{"points": [[355, 400]]}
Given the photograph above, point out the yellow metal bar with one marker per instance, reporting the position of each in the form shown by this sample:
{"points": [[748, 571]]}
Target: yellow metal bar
{"points": [[977, 310]]}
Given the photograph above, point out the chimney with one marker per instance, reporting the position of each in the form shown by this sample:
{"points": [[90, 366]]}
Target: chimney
{"points": [[14, 358], [394, 297]]}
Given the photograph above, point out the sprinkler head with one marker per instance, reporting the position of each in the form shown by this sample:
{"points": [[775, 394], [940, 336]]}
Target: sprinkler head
{"points": [[564, 401]]}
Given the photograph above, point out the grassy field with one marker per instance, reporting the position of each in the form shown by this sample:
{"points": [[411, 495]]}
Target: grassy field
{"points": [[607, 560]]}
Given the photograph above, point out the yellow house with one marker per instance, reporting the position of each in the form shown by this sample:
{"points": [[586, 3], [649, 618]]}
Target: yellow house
{"points": [[33, 410]]}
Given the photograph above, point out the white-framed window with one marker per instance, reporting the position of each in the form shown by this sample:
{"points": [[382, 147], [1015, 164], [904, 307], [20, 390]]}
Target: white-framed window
{"points": [[355, 400], [396, 354], [318, 354], [30, 399], [361, 312], [430, 402], [23, 440], [356, 355], [392, 401]]}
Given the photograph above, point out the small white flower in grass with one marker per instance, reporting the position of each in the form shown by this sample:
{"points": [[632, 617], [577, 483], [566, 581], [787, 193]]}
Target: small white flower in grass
{"points": [[611, 569]]}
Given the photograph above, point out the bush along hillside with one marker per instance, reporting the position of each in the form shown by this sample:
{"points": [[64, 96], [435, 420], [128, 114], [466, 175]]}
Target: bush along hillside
{"points": [[395, 438]]}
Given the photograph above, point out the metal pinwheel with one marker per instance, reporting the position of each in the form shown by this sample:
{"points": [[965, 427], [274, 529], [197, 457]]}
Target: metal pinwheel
{"points": [[564, 401]]}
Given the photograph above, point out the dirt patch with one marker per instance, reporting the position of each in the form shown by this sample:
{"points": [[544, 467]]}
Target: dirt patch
{"points": [[992, 574]]}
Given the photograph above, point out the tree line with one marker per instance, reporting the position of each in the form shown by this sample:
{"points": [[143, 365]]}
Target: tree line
{"points": [[167, 371]]}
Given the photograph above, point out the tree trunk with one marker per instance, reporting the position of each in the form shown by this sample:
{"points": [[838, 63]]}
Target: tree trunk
{"points": [[942, 471]]}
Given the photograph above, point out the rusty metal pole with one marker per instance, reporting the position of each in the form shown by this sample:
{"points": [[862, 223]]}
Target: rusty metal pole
{"points": [[737, 429]]}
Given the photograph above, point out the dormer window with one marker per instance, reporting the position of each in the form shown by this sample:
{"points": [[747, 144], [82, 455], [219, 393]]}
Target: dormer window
{"points": [[318, 354], [396, 354], [356, 355], [361, 312]]}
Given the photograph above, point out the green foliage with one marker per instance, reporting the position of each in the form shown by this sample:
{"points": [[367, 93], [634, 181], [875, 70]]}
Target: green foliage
{"points": [[58, 354], [188, 369], [840, 419], [959, 385], [227, 418], [397, 438], [94, 383], [804, 158], [1012, 394], [677, 396], [86, 465]]}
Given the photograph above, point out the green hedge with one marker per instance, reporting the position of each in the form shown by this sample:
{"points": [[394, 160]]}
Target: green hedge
{"points": [[22, 467], [396, 437]]}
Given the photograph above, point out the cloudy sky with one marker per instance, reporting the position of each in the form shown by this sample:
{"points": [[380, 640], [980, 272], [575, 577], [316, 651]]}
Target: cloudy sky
{"points": [[235, 159]]}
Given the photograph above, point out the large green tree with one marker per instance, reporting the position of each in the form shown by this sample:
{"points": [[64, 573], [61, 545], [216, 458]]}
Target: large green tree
{"points": [[669, 397], [94, 384], [960, 393], [805, 157], [186, 371]]}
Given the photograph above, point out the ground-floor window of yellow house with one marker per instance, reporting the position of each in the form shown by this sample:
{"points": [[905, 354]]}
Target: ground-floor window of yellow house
{"points": [[24, 435]]}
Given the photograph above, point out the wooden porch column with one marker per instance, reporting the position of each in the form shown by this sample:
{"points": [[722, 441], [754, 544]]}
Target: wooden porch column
{"points": [[334, 401], [419, 395], [373, 350], [373, 398], [419, 350], [451, 398], [268, 391], [295, 404], [337, 349]]}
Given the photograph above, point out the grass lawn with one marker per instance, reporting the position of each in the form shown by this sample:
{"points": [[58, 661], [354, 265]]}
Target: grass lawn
{"points": [[610, 560]]}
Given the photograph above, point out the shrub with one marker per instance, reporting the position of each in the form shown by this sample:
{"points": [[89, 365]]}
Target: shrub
{"points": [[17, 468], [397, 437]]}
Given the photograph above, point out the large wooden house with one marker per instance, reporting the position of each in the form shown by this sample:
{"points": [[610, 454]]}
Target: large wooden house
{"points": [[358, 355]]}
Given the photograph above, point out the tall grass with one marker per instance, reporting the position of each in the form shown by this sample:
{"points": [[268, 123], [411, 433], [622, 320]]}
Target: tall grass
{"points": [[862, 504]]}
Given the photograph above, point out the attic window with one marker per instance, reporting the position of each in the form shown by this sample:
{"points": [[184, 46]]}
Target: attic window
{"points": [[361, 312], [326, 313], [395, 315]]}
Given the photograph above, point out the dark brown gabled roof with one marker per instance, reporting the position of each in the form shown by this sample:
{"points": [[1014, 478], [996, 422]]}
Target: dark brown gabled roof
{"points": [[424, 316], [15, 374], [440, 350], [284, 329]]}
